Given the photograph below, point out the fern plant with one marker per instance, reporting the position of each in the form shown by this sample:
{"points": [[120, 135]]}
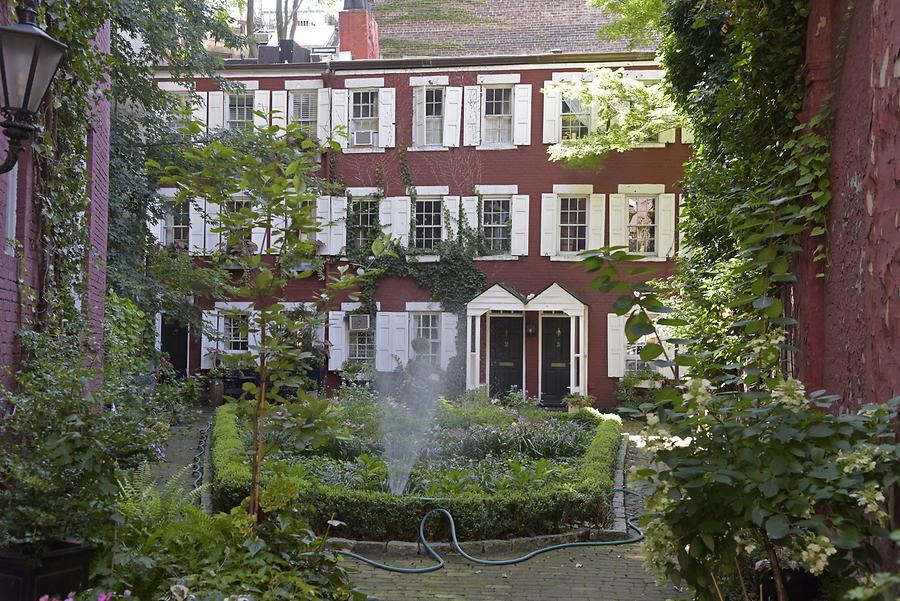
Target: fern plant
{"points": [[141, 499]]}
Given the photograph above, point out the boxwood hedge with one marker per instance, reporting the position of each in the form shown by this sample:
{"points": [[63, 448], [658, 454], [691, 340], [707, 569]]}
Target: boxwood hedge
{"points": [[375, 515]]}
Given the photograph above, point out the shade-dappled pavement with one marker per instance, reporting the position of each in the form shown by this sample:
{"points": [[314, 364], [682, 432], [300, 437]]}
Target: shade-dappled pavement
{"points": [[589, 574]]}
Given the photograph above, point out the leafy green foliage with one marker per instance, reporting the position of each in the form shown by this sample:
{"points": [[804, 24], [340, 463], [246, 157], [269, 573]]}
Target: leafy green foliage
{"points": [[638, 21]]}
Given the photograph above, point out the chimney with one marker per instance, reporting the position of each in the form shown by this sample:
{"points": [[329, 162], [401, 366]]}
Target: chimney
{"points": [[358, 30]]}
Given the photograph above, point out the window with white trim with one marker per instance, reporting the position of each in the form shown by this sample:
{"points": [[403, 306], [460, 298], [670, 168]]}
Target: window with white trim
{"points": [[575, 119], [573, 221], [434, 116], [361, 347], [240, 111], [498, 115], [642, 226], [235, 205], [427, 330], [183, 102], [429, 221], [178, 224], [236, 332], [364, 221], [495, 223], [304, 107], [633, 361], [364, 118]]}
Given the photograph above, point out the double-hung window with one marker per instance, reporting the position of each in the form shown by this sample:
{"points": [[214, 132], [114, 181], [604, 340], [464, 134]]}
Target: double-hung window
{"points": [[304, 105], [364, 220], [434, 116], [642, 226], [236, 331], [183, 106], [573, 222], [633, 361], [498, 116], [429, 222], [575, 119], [496, 223], [361, 348], [178, 224], [233, 207], [240, 111], [364, 118], [427, 333]]}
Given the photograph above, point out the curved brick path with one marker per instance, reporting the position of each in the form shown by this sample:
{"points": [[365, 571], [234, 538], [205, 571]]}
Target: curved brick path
{"points": [[600, 574]]}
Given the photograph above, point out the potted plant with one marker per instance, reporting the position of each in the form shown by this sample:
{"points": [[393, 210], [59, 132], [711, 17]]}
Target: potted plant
{"points": [[59, 446], [215, 384], [579, 401]]}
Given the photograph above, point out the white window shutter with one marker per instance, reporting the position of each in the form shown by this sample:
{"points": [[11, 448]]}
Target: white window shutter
{"points": [[261, 104], [201, 101], [339, 224], [470, 210], [450, 217], [667, 136], [323, 114], [522, 114], [665, 241], [157, 227], [253, 337], [209, 339], [401, 220], [596, 220], [418, 134], [383, 360], [449, 331], [279, 108], [386, 215], [615, 345], [323, 219], [400, 337], [552, 110], [197, 231], [387, 100], [472, 116], [340, 105], [618, 220], [453, 102], [687, 135], [216, 110], [337, 337], [549, 210], [258, 237], [213, 238], [519, 225]]}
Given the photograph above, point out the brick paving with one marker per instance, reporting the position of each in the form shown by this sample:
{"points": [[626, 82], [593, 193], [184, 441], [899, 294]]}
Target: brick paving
{"points": [[591, 574]]}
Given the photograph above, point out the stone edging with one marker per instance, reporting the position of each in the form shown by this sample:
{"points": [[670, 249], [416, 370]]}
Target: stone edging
{"points": [[523, 544]]}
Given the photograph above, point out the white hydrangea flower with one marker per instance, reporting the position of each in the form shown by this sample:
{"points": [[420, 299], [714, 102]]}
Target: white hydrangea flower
{"points": [[698, 390], [870, 498], [790, 392], [652, 420], [817, 551], [861, 459]]}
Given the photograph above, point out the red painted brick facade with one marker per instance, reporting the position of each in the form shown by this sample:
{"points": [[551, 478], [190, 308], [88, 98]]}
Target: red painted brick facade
{"points": [[850, 319], [360, 34]]}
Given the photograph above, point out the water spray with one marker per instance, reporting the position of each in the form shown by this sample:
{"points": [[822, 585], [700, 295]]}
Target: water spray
{"points": [[440, 562]]}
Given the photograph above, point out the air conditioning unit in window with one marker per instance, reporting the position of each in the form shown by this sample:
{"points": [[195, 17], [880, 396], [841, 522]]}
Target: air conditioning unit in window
{"points": [[365, 138], [360, 323]]}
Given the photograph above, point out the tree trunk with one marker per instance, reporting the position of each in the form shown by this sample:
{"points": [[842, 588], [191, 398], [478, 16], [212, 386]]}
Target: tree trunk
{"points": [[259, 426], [279, 18], [251, 33], [776, 569], [294, 19]]}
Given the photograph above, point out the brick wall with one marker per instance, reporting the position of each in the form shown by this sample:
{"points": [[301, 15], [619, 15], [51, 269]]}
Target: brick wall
{"points": [[499, 27]]}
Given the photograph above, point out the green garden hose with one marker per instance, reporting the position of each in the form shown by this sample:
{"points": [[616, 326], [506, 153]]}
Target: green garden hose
{"points": [[492, 562]]}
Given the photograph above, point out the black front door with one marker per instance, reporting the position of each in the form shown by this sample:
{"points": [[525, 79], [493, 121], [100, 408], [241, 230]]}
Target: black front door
{"points": [[173, 341], [556, 358], [506, 354]]}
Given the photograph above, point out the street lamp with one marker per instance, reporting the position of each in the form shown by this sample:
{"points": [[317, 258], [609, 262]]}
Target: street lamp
{"points": [[28, 61]]}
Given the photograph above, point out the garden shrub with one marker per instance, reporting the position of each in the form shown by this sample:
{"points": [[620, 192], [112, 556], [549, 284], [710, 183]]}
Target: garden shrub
{"points": [[230, 469]]}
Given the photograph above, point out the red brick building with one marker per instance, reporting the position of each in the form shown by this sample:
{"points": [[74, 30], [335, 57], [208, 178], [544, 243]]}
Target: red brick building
{"points": [[476, 130]]}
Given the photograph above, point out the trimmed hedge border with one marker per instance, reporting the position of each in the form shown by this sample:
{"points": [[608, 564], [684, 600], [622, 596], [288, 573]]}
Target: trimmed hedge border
{"points": [[374, 515]]}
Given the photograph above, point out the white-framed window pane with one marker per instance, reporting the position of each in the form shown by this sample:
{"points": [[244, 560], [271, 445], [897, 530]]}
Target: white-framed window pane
{"points": [[183, 100], [240, 111], [642, 225], [362, 346], [365, 218], [178, 224], [236, 332], [633, 361], [427, 329], [364, 118], [304, 106], [434, 116], [575, 119], [498, 125], [429, 222], [572, 223], [496, 223]]}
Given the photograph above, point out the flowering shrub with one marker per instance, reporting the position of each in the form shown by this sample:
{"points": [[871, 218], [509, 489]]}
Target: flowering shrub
{"points": [[549, 438]]}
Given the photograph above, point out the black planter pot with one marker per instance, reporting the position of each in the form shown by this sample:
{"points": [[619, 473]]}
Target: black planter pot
{"points": [[799, 584], [56, 572]]}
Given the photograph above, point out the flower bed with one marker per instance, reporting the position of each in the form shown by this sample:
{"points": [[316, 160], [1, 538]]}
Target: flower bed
{"points": [[501, 472]]}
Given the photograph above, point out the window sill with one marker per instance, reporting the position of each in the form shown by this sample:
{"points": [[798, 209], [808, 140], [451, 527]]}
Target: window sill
{"points": [[566, 258], [497, 258], [424, 258], [650, 145], [427, 148], [363, 150], [652, 259], [497, 147]]}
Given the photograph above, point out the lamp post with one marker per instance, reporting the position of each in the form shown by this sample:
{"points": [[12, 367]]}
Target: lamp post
{"points": [[28, 61]]}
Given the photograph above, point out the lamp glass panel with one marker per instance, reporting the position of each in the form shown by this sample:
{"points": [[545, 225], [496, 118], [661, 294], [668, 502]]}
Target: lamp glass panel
{"points": [[18, 53], [50, 56]]}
